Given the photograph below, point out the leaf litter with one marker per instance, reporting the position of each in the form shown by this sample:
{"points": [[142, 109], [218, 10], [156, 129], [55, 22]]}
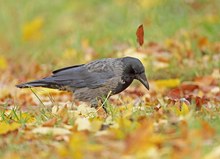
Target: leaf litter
{"points": [[177, 118]]}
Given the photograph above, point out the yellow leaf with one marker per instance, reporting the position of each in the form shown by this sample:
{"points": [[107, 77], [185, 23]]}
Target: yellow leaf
{"points": [[3, 63], [77, 146], [181, 111], [27, 117], [7, 127], [120, 128], [96, 125], [21, 116], [33, 30], [184, 109], [167, 83]]}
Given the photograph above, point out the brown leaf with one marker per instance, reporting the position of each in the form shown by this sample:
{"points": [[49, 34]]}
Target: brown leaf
{"points": [[205, 80], [200, 101], [182, 91], [50, 123], [140, 35], [202, 42]]}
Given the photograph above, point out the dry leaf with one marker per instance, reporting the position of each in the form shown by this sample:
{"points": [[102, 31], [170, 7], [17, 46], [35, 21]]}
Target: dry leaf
{"points": [[50, 123], [181, 91], [53, 131], [140, 35], [83, 124], [167, 83], [8, 127]]}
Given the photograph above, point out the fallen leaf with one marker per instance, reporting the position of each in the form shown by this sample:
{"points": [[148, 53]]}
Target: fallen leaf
{"points": [[53, 131], [143, 138], [167, 83], [8, 127], [50, 123], [200, 101], [3, 63], [96, 125], [181, 91], [140, 35], [204, 80], [203, 42], [86, 110], [181, 110], [83, 124]]}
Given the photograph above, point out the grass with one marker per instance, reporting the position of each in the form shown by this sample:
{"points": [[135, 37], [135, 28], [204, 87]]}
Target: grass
{"points": [[74, 32], [102, 26]]}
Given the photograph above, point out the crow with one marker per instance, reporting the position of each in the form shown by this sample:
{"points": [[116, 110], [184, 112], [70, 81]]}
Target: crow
{"points": [[96, 80]]}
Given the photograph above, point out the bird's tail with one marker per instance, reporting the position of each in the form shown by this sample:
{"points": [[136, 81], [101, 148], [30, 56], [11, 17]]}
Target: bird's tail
{"points": [[39, 83]]}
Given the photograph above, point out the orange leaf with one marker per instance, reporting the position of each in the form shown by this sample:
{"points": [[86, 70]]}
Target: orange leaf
{"points": [[140, 35], [209, 131], [203, 41], [205, 80], [50, 123]]}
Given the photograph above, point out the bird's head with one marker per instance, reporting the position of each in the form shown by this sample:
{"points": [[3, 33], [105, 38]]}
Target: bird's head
{"points": [[135, 68]]}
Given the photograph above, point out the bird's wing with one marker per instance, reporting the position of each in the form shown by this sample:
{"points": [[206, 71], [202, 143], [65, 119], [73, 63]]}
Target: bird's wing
{"points": [[92, 75], [66, 68]]}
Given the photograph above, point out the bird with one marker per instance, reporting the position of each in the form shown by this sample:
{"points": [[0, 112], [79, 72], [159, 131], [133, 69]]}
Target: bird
{"points": [[96, 80]]}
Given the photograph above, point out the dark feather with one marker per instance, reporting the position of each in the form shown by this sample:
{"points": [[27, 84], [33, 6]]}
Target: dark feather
{"points": [[66, 68], [79, 77]]}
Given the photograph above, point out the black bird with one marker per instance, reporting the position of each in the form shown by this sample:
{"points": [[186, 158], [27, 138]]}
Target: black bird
{"points": [[95, 80]]}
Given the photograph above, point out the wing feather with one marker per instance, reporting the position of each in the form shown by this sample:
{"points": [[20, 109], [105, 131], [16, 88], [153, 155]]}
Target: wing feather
{"points": [[83, 76]]}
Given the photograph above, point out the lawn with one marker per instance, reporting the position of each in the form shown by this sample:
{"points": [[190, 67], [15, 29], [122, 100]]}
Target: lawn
{"points": [[177, 118]]}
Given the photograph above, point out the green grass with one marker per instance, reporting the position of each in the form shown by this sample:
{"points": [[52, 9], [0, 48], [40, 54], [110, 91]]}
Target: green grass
{"points": [[105, 25]]}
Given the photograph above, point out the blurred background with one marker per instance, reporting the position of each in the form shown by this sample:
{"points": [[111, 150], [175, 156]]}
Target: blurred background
{"points": [[58, 33]]}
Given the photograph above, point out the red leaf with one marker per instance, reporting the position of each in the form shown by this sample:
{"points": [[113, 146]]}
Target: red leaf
{"points": [[200, 101], [140, 35], [182, 91]]}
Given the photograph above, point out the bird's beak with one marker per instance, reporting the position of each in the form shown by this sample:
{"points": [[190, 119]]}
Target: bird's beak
{"points": [[143, 79]]}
